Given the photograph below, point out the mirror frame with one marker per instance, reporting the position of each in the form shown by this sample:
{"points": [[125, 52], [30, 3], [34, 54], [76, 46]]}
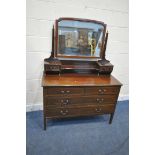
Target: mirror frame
{"points": [[102, 54]]}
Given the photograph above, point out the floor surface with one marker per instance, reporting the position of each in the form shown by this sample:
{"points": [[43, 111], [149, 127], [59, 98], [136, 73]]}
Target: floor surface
{"points": [[80, 136]]}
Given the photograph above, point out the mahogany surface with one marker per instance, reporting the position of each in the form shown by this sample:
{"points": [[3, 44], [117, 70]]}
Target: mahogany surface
{"points": [[79, 80]]}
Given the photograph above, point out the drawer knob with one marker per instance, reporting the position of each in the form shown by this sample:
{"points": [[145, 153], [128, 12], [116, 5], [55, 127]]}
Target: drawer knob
{"points": [[102, 90], [64, 112], [65, 102], [98, 109], [99, 100], [62, 91]]}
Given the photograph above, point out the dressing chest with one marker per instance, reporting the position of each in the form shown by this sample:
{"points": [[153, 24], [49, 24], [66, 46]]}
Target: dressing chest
{"points": [[77, 78]]}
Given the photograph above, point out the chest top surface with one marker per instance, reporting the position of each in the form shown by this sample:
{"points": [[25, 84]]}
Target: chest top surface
{"points": [[79, 80]]}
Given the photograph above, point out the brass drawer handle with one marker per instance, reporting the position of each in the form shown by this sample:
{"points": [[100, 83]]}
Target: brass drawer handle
{"points": [[62, 91], [64, 112], [98, 109], [101, 91], [99, 100], [65, 102]]}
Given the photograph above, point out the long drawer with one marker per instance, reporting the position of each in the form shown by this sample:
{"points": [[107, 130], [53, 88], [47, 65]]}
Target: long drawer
{"points": [[80, 101], [81, 111]]}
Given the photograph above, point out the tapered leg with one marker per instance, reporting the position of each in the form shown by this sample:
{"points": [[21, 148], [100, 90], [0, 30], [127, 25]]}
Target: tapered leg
{"points": [[111, 118], [44, 123]]}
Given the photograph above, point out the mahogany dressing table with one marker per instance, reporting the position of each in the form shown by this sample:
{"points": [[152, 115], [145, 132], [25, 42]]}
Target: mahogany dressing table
{"points": [[77, 78]]}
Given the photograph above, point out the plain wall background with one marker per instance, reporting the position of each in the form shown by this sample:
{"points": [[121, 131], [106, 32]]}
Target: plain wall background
{"points": [[40, 17]]}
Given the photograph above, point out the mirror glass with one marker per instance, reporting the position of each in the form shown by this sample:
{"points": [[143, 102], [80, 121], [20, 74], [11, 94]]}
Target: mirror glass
{"points": [[79, 38]]}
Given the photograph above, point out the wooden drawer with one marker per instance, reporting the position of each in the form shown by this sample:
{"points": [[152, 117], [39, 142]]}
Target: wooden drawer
{"points": [[52, 68], [101, 90], [100, 99], [80, 101], [62, 101], [81, 111], [64, 91]]}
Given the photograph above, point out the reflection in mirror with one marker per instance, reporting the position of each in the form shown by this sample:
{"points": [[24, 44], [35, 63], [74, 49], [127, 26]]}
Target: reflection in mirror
{"points": [[79, 38]]}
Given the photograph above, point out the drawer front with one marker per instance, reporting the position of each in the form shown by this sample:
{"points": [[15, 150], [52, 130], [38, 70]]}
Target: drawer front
{"points": [[52, 68], [101, 90], [64, 91], [80, 101], [62, 101], [100, 99], [81, 111]]}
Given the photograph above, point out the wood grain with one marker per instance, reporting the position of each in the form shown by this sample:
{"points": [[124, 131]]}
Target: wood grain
{"points": [[79, 80]]}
